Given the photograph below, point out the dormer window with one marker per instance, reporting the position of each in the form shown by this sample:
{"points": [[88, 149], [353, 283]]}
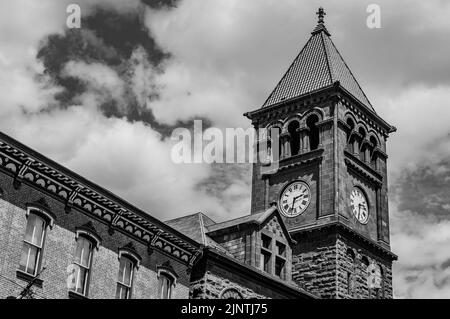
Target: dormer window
{"points": [[280, 260]]}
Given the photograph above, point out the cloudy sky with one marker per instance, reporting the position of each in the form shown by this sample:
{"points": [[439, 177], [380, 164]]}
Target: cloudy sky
{"points": [[104, 99]]}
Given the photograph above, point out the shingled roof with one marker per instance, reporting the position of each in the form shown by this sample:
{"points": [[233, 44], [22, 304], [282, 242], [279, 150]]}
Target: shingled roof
{"points": [[318, 65]]}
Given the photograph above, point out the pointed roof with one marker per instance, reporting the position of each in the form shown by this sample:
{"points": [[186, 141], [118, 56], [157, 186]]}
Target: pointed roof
{"points": [[194, 226], [318, 65]]}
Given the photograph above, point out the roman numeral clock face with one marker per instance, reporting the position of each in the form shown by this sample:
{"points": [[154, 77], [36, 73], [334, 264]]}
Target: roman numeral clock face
{"points": [[358, 203], [295, 199]]}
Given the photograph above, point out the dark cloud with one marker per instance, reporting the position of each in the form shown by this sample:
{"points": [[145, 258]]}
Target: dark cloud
{"points": [[107, 37], [425, 190]]}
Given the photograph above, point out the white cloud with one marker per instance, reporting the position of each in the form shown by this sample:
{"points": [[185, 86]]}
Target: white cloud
{"points": [[226, 57]]}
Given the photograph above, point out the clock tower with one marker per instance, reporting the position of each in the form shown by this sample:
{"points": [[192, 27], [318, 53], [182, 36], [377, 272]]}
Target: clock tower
{"points": [[327, 173]]}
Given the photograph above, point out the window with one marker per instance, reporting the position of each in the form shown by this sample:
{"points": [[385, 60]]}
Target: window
{"points": [[281, 249], [125, 278], [294, 137], [165, 286], [373, 157], [313, 132], [279, 267], [280, 260], [265, 261], [167, 280], [266, 241], [32, 244], [362, 154], [350, 139], [82, 265], [266, 253]]}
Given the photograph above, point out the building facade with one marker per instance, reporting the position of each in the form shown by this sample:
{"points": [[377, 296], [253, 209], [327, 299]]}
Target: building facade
{"points": [[330, 183], [318, 227]]}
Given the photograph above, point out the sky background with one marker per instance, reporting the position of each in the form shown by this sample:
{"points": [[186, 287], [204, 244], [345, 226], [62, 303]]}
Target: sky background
{"points": [[104, 99]]}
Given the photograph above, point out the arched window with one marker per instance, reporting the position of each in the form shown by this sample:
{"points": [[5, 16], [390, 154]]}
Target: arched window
{"points": [[294, 137], [274, 146], [313, 132], [82, 265], [38, 220], [80, 271], [362, 153], [373, 156], [351, 126], [129, 261], [33, 243], [125, 278], [167, 280]]}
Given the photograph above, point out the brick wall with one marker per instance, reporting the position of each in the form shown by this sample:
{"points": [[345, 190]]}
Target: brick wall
{"points": [[59, 251]]}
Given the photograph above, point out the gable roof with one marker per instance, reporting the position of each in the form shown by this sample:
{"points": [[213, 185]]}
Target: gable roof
{"points": [[318, 65], [257, 219]]}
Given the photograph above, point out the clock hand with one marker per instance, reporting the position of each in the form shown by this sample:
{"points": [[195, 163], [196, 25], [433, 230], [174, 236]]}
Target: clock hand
{"points": [[295, 198]]}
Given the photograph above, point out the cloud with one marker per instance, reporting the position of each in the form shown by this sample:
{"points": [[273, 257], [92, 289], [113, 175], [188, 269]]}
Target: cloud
{"points": [[104, 99]]}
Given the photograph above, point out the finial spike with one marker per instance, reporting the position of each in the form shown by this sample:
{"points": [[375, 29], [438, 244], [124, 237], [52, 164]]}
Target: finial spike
{"points": [[321, 14]]}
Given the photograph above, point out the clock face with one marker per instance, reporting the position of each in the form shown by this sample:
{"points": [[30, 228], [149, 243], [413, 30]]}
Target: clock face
{"points": [[359, 206], [295, 199]]}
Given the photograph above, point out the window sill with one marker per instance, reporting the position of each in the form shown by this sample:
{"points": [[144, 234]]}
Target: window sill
{"points": [[76, 295], [28, 278]]}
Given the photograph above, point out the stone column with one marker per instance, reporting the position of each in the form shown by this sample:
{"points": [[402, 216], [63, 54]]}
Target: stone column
{"points": [[367, 155], [356, 146], [304, 139]]}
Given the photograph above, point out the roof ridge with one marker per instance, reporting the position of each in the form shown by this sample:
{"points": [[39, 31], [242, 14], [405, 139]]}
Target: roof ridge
{"points": [[202, 228], [327, 58], [353, 76]]}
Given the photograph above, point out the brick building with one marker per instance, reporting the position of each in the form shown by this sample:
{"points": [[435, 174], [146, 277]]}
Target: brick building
{"points": [[318, 228]]}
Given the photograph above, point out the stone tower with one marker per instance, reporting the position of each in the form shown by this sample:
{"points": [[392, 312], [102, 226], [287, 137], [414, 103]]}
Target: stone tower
{"points": [[330, 177]]}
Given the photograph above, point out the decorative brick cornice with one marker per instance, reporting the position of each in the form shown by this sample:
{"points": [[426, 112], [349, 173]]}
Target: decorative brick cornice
{"points": [[27, 166]]}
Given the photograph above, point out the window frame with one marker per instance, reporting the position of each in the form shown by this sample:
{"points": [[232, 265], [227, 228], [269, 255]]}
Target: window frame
{"points": [[135, 260], [48, 219], [120, 284], [87, 232], [166, 273], [87, 269]]}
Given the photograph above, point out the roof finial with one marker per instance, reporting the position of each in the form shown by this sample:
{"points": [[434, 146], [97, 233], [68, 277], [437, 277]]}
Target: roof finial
{"points": [[321, 14]]}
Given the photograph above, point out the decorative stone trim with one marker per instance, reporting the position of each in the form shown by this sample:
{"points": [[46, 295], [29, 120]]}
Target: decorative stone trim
{"points": [[41, 208], [130, 251], [88, 231], [167, 269]]}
